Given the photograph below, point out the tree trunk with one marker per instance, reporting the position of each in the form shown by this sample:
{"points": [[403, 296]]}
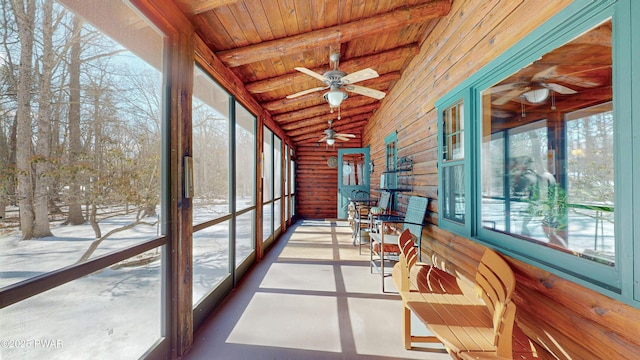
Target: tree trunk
{"points": [[41, 226], [25, 22], [93, 220], [75, 146]]}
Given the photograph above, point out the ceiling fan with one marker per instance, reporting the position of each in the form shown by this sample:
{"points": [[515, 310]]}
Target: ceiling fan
{"points": [[331, 135], [335, 80], [534, 91]]}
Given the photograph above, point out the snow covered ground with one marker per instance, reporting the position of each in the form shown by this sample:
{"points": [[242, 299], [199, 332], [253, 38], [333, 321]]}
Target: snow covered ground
{"points": [[110, 314]]}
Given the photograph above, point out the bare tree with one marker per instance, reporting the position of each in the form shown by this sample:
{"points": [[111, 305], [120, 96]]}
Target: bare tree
{"points": [[75, 146], [24, 11], [42, 160]]}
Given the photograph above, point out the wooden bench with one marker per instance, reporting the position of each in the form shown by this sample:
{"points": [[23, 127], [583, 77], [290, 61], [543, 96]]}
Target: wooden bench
{"points": [[471, 323]]}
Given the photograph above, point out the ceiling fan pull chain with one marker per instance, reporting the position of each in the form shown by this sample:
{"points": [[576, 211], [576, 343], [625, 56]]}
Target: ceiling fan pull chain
{"points": [[523, 113]]}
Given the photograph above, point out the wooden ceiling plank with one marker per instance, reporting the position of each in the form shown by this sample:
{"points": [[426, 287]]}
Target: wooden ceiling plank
{"points": [[290, 79], [304, 12], [344, 12], [289, 16], [235, 29], [344, 33], [216, 36], [272, 13]]}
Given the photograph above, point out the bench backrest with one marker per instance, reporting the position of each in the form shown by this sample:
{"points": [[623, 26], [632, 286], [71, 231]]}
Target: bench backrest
{"points": [[416, 209], [495, 284], [408, 257]]}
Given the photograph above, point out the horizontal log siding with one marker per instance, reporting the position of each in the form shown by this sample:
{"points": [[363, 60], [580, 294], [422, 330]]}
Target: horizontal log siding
{"points": [[316, 182], [568, 319]]}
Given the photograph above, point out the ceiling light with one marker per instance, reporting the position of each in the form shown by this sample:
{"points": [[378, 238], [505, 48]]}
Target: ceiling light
{"points": [[331, 141], [334, 97], [536, 96]]}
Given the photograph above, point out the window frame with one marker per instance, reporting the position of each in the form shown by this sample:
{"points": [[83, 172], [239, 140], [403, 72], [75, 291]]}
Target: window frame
{"points": [[576, 18], [453, 99], [390, 173]]}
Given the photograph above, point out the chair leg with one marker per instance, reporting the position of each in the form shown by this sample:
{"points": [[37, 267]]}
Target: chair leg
{"points": [[406, 327]]}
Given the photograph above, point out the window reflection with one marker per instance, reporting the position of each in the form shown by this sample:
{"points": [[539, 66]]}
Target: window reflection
{"points": [[547, 151]]}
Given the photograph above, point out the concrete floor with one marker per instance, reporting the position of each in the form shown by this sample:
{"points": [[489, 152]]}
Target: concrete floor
{"points": [[312, 297]]}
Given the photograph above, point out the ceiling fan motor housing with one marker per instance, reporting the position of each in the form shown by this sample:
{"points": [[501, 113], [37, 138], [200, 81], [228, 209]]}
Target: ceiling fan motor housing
{"points": [[334, 77]]}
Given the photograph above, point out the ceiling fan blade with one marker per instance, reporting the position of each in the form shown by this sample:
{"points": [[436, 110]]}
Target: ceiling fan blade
{"points": [[341, 138], [376, 94], [360, 75], [346, 135], [504, 87], [560, 89], [544, 74], [510, 95], [305, 92], [313, 73], [324, 138]]}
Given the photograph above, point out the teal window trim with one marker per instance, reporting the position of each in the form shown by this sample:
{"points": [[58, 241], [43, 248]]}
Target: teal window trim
{"points": [[632, 81], [452, 99], [391, 162], [618, 282], [391, 138]]}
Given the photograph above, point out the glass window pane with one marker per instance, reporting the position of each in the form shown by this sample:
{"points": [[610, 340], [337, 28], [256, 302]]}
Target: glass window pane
{"points": [[267, 217], [210, 112], [113, 313], [268, 165], [453, 135], [276, 214], [245, 236], [453, 193], [353, 169], [547, 154], [277, 167], [210, 259], [101, 113], [245, 158]]}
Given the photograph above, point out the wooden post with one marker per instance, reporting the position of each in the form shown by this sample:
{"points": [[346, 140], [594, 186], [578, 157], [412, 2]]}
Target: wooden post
{"points": [[180, 67]]}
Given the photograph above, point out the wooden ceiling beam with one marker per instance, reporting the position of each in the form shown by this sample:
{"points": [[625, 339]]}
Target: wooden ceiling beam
{"points": [[195, 7], [353, 126], [275, 83], [339, 33], [325, 118], [282, 106], [318, 110]]}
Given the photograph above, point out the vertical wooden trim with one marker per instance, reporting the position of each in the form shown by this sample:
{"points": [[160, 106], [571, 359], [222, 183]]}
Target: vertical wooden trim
{"points": [[180, 86], [259, 185]]}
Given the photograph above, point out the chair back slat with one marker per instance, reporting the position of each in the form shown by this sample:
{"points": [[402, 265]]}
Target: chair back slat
{"points": [[495, 284], [383, 201], [416, 210]]}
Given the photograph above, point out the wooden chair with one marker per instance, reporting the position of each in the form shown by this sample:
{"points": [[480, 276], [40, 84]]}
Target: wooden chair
{"points": [[383, 243], [364, 216]]}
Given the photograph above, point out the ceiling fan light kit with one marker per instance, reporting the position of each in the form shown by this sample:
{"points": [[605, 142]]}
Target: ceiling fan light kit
{"points": [[537, 96], [335, 96]]}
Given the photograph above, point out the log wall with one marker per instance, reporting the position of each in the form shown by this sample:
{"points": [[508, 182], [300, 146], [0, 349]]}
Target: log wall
{"points": [[316, 182], [569, 320]]}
